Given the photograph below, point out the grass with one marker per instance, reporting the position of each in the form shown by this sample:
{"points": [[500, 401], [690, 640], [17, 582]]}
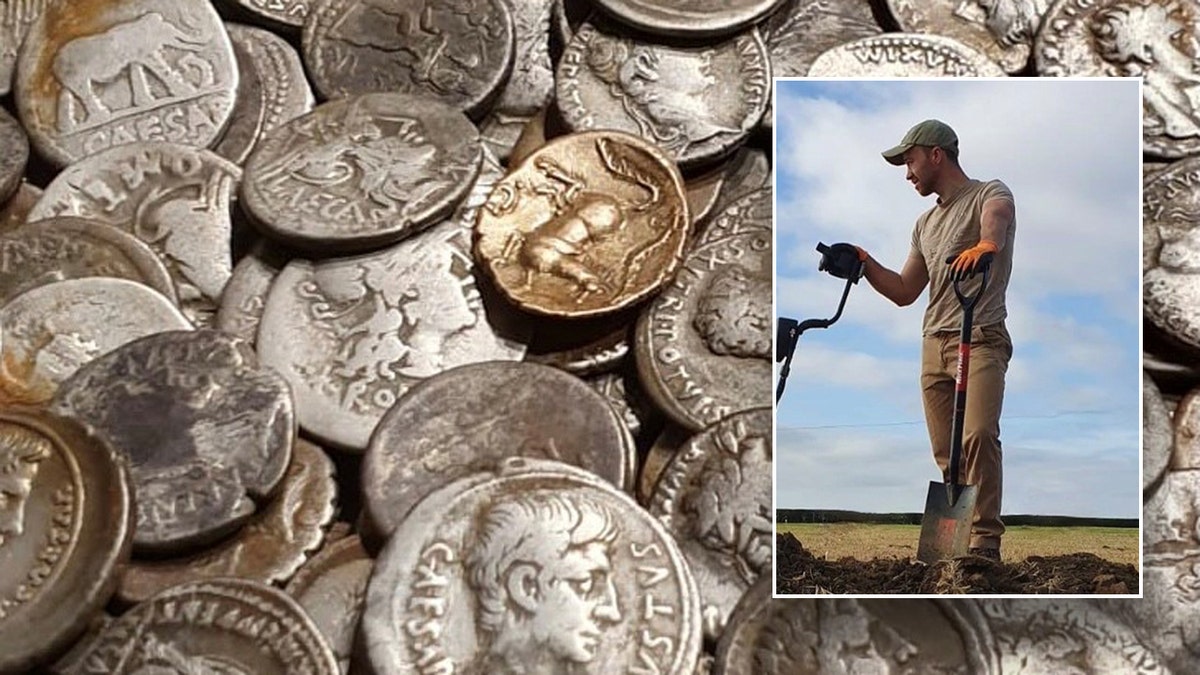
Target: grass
{"points": [[865, 541]]}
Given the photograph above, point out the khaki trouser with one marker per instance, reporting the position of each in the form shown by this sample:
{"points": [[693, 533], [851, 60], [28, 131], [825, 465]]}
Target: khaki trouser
{"points": [[991, 349]]}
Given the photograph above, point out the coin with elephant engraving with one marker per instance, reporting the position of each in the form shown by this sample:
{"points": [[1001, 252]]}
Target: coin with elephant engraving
{"points": [[589, 224], [361, 172], [65, 528], [689, 18], [65, 247], [703, 347], [14, 153], [1157, 432], [674, 96], [1171, 252], [220, 626], [1132, 38], [904, 55], [331, 588], [460, 52], [270, 547], [245, 296], [470, 418], [287, 14], [48, 332], [93, 75], [1001, 29], [715, 497], [535, 566], [15, 19], [220, 440], [175, 198], [272, 89], [353, 334]]}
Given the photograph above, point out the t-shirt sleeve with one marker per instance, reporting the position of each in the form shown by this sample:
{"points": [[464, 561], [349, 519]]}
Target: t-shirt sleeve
{"points": [[915, 250], [995, 189]]}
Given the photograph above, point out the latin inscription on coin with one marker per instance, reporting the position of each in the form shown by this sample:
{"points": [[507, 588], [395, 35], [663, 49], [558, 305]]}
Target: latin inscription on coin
{"points": [[904, 55]]}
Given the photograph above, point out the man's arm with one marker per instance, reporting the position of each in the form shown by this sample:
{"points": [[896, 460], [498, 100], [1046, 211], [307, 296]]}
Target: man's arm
{"points": [[997, 214], [903, 288]]}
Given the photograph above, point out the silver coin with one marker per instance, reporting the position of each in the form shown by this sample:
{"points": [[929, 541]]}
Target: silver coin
{"points": [[1171, 515], [15, 146], [175, 198], [245, 295], [457, 51], [749, 213], [90, 77], [353, 334], [1154, 41], [471, 418], [361, 172], [749, 170], [1157, 434], [674, 97], [285, 13], [221, 436], [331, 588], [904, 55], [531, 84], [15, 211], [63, 248], [47, 333], [1003, 31], [536, 568], [15, 18], [1171, 252], [715, 497], [691, 18], [627, 399], [703, 347], [272, 89], [1165, 620]]}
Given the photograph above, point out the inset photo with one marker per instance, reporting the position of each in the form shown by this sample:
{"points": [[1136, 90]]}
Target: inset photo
{"points": [[957, 337]]}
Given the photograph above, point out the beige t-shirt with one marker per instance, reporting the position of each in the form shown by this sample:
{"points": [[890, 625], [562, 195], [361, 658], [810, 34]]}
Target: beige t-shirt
{"points": [[949, 228]]}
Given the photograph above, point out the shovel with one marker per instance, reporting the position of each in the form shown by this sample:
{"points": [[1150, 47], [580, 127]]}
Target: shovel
{"points": [[949, 506]]}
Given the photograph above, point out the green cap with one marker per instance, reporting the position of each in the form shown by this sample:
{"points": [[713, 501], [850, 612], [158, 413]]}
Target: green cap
{"points": [[930, 134]]}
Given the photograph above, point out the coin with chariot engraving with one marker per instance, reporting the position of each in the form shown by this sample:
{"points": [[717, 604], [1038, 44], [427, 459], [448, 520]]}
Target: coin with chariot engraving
{"points": [[352, 334], [174, 198], [219, 627], [459, 52], [1132, 38], [904, 55], [361, 172], [208, 432], [1002, 30], [675, 97], [65, 528], [689, 18], [589, 224], [93, 75], [535, 566]]}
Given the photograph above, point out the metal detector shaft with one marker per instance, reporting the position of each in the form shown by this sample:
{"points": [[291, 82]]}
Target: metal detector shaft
{"points": [[794, 337]]}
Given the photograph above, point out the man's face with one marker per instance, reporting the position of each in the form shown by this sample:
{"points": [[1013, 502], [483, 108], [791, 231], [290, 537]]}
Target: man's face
{"points": [[922, 170], [14, 492], [577, 598]]}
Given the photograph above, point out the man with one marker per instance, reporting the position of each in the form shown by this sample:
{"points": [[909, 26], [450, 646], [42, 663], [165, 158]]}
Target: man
{"points": [[971, 218]]}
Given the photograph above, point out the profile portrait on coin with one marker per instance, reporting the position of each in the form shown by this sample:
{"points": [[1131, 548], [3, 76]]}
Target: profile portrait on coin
{"points": [[734, 314], [162, 658], [21, 454], [540, 568], [1153, 42], [661, 90]]}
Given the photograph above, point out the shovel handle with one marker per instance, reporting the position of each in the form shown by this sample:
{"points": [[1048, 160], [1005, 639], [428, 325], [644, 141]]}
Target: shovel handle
{"points": [[960, 381]]}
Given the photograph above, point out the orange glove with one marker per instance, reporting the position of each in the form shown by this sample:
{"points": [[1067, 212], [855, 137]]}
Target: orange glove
{"points": [[964, 264]]}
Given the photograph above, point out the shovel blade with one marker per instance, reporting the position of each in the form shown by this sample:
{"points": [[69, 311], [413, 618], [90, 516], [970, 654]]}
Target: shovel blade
{"points": [[946, 525]]}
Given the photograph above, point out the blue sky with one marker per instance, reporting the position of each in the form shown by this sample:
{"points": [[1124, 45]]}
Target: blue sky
{"points": [[851, 431]]}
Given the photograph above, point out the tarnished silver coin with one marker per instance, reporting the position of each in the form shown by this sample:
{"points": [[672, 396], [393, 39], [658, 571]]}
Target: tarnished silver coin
{"points": [[500, 132], [1132, 38], [48, 332], [361, 172], [219, 627], [457, 51], [65, 528], [286, 13], [1171, 518], [175, 198], [63, 248], [1002, 30], [14, 153], [15, 18], [531, 85], [715, 497], [749, 213], [535, 568], [272, 89], [622, 391], [245, 296], [658, 456], [220, 438], [691, 18], [471, 418], [673, 96], [1157, 433], [353, 334], [1171, 252], [703, 347], [15, 211], [331, 588], [1166, 619], [904, 55], [91, 76]]}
